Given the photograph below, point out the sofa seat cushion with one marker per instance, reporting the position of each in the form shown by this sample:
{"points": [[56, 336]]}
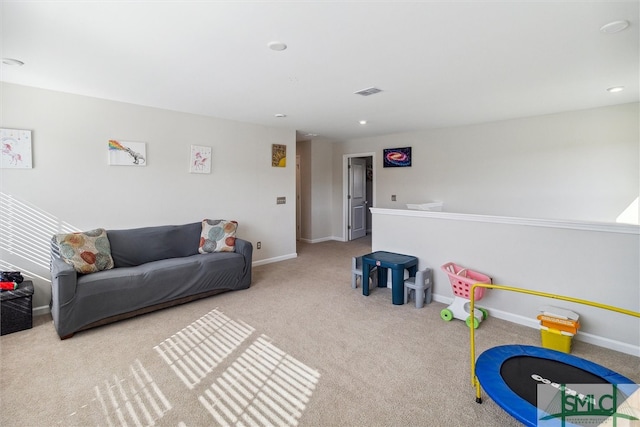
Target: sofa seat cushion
{"points": [[133, 288]]}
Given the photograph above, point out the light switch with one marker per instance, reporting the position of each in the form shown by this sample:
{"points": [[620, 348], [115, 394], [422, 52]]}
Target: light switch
{"points": [[281, 200]]}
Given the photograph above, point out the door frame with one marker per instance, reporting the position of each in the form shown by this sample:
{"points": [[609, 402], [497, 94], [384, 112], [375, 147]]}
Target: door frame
{"points": [[359, 200], [298, 199], [345, 189]]}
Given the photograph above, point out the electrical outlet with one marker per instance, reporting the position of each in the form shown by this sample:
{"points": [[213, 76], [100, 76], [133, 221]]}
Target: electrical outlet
{"points": [[259, 245], [393, 197]]}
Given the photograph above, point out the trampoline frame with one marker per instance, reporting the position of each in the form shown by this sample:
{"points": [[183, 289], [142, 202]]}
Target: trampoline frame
{"points": [[474, 379]]}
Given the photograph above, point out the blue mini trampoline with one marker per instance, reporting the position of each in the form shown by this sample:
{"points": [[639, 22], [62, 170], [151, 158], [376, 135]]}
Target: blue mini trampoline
{"points": [[511, 374]]}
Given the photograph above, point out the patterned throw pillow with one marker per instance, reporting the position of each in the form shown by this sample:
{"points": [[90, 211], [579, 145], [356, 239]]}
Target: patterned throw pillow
{"points": [[87, 251], [218, 235]]}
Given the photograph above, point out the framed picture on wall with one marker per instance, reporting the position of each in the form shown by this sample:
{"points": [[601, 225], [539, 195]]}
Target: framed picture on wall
{"points": [[200, 159], [16, 149], [278, 155], [123, 153], [396, 157]]}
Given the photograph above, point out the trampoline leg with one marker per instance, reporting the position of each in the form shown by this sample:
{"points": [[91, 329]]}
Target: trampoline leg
{"points": [[478, 391]]}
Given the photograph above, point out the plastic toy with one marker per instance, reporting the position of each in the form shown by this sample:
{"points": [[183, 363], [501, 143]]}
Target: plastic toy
{"points": [[461, 281]]}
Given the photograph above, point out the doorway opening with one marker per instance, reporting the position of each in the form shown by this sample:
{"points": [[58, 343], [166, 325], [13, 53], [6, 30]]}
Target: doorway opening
{"points": [[359, 189]]}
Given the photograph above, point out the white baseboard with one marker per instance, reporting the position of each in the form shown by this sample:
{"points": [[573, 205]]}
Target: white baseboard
{"points": [[275, 259], [323, 239], [39, 311], [533, 323]]}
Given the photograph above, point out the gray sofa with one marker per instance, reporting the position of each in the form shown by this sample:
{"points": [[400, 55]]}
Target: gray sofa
{"points": [[154, 268]]}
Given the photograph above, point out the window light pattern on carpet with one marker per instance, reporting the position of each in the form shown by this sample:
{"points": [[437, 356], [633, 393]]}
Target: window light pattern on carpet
{"points": [[121, 400], [263, 386], [196, 350]]}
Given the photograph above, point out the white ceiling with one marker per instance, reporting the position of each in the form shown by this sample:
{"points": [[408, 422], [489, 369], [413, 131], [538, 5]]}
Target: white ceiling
{"points": [[438, 63]]}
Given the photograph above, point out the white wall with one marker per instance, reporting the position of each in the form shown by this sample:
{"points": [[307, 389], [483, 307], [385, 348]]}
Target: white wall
{"points": [[317, 186], [71, 182], [581, 165], [596, 262], [321, 188], [306, 213]]}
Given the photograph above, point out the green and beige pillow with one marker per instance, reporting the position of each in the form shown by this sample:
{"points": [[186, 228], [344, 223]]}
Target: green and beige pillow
{"points": [[218, 235], [86, 251]]}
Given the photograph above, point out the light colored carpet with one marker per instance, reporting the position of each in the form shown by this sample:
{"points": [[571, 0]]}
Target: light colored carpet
{"points": [[300, 347]]}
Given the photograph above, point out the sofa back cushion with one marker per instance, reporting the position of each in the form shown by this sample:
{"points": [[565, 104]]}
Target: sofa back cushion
{"points": [[138, 246]]}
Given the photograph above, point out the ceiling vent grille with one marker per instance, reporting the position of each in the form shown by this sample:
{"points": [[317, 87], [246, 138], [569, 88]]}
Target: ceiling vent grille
{"points": [[368, 91]]}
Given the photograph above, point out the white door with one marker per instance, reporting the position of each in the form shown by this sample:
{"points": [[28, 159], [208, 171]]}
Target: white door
{"points": [[357, 198]]}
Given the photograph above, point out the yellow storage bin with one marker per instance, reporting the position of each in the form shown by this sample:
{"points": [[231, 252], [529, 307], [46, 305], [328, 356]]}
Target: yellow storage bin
{"points": [[559, 324], [555, 339]]}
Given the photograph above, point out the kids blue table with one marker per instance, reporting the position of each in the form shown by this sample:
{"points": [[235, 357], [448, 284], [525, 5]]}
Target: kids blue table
{"points": [[397, 263]]}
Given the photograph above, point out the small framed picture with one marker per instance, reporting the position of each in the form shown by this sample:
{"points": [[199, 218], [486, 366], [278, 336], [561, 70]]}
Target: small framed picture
{"points": [[278, 156], [396, 157], [200, 161], [123, 153], [16, 149]]}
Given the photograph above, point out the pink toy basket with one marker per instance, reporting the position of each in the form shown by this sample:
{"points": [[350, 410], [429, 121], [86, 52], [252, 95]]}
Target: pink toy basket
{"points": [[463, 278]]}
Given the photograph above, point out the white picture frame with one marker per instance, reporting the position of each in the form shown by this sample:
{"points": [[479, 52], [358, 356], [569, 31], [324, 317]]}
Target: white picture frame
{"points": [[200, 159], [16, 150], [126, 153]]}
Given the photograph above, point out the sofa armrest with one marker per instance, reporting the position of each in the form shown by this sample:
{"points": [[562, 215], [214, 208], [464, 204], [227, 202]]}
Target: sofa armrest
{"points": [[245, 248], [64, 279]]}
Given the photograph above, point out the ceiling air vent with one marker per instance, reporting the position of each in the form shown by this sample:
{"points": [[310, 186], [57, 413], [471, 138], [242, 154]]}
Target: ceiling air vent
{"points": [[368, 91]]}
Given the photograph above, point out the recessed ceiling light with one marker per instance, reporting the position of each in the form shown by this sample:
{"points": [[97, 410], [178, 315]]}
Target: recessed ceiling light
{"points": [[277, 46], [363, 122], [280, 115], [614, 27], [11, 61], [615, 89]]}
